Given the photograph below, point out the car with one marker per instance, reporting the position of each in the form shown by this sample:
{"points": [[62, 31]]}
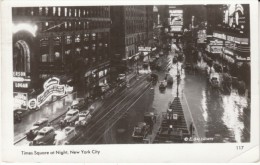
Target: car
{"points": [[121, 77], [162, 85], [141, 130], [44, 137], [78, 103], [84, 118], [64, 137], [19, 114], [31, 134], [71, 116]]}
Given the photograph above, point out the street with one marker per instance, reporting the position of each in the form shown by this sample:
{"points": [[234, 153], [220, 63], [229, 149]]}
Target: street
{"points": [[225, 118]]}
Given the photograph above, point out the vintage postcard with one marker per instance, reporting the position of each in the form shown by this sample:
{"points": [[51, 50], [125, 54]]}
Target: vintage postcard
{"points": [[139, 81]]}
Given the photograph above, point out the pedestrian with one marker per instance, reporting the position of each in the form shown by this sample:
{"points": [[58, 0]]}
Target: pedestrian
{"points": [[191, 129]]}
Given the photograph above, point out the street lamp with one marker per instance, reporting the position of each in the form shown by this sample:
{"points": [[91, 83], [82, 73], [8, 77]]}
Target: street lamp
{"points": [[178, 79]]}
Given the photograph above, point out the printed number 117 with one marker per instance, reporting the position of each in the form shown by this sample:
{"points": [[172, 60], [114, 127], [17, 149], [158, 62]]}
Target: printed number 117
{"points": [[240, 147]]}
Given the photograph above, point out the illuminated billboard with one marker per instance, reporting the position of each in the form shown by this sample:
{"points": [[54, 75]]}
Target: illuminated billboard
{"points": [[176, 20], [176, 17]]}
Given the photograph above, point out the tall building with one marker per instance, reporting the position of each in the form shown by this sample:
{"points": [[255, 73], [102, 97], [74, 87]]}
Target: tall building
{"points": [[132, 26], [65, 42]]}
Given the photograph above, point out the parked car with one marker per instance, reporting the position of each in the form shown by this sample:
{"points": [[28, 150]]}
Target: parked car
{"points": [[141, 130], [45, 136], [31, 134], [84, 118], [71, 116], [18, 114], [64, 137]]}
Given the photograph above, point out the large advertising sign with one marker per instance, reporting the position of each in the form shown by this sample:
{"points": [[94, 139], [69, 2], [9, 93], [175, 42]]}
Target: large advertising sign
{"points": [[21, 80], [20, 100], [176, 20], [176, 17], [144, 49], [51, 88], [202, 36]]}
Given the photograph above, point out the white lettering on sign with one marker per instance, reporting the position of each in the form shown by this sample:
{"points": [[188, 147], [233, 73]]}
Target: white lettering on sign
{"points": [[21, 85], [175, 11], [144, 49], [218, 35], [51, 87], [20, 79], [32, 103], [19, 74], [55, 89]]}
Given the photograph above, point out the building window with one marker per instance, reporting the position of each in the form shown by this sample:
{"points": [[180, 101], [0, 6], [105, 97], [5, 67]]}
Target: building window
{"points": [[59, 11], [86, 37], [65, 12], [44, 58], [69, 12], [93, 47], [70, 26], [87, 25], [65, 25], [54, 11], [46, 11], [99, 36], [79, 12], [93, 36], [75, 14], [40, 11]]}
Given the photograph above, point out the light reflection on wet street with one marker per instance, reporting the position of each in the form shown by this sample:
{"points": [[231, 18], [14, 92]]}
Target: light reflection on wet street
{"points": [[225, 118]]}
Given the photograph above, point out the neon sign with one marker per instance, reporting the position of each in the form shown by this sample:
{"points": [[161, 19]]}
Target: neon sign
{"points": [[51, 87], [20, 100]]}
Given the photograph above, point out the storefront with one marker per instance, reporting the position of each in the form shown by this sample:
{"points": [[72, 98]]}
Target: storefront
{"points": [[21, 86], [96, 81]]}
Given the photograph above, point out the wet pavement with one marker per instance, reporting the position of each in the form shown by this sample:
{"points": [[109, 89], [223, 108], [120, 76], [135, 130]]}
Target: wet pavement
{"points": [[50, 111], [216, 116], [220, 117]]}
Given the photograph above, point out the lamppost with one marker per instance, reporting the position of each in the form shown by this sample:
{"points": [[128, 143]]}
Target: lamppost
{"points": [[137, 68], [178, 79]]}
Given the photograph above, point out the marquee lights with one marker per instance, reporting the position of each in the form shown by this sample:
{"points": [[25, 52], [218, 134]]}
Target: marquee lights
{"points": [[27, 27]]}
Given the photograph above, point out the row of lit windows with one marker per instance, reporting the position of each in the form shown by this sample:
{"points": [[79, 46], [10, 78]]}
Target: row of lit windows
{"points": [[135, 39], [94, 38], [132, 27], [71, 26], [135, 15], [56, 56], [64, 11]]}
